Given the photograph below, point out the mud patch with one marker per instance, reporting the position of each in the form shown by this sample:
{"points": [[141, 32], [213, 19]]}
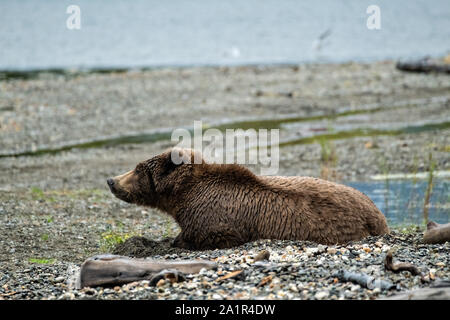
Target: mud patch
{"points": [[140, 247]]}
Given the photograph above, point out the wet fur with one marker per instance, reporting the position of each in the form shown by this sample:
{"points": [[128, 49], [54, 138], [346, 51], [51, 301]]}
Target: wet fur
{"points": [[220, 206]]}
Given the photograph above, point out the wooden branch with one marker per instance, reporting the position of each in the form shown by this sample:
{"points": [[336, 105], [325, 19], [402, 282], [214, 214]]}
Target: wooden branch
{"points": [[423, 66], [364, 280], [403, 266], [436, 233], [110, 270], [422, 294]]}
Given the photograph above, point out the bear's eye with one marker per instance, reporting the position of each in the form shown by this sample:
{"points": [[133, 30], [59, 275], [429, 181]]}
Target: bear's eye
{"points": [[138, 168]]}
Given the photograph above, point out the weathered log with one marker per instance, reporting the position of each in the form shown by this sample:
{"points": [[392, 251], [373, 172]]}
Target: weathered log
{"points": [[422, 294], [398, 267], [423, 66], [437, 233], [364, 280], [110, 270], [441, 284]]}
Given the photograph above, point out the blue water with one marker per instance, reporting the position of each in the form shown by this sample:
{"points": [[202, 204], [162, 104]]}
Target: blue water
{"points": [[402, 201], [138, 33]]}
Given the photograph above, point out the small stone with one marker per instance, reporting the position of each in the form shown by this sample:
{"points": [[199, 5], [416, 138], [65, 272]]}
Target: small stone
{"points": [[321, 295], [89, 291], [432, 273], [199, 292], [367, 249], [59, 279], [293, 287], [348, 294], [263, 255], [355, 288], [281, 293], [331, 250], [161, 283], [67, 296], [379, 244]]}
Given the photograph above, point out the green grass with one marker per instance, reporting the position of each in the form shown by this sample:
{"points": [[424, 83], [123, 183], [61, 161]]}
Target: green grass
{"points": [[41, 260], [328, 159], [327, 151], [110, 239], [39, 194], [168, 231], [408, 228]]}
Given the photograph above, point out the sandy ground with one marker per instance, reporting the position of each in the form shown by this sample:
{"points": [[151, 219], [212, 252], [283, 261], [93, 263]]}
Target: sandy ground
{"points": [[56, 211]]}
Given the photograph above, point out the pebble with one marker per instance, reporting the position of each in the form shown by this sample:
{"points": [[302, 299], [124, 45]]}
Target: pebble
{"points": [[59, 279], [290, 274], [321, 295]]}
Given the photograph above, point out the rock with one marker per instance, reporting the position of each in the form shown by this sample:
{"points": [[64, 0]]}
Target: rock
{"points": [[355, 288], [263, 255], [321, 295], [331, 250]]}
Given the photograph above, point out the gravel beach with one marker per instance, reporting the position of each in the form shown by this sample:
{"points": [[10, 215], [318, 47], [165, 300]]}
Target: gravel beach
{"points": [[56, 210]]}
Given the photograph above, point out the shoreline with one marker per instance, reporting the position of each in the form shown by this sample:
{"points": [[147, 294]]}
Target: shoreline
{"points": [[56, 210], [73, 71]]}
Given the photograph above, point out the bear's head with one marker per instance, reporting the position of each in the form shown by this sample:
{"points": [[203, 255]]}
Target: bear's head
{"points": [[158, 179]]}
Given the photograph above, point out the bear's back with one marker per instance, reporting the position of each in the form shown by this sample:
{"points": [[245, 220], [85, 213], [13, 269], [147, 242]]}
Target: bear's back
{"points": [[324, 211]]}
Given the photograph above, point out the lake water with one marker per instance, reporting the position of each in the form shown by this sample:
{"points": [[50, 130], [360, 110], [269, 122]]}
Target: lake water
{"points": [[402, 201], [143, 33]]}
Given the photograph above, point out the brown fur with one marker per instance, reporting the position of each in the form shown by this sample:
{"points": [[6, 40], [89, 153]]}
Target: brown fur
{"points": [[219, 206]]}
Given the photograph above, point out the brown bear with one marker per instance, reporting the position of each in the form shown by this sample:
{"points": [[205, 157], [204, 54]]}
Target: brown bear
{"points": [[225, 205]]}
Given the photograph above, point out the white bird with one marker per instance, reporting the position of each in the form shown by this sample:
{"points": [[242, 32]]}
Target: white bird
{"points": [[320, 42]]}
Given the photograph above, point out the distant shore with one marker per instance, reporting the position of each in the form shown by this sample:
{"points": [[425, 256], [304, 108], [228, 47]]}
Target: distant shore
{"points": [[369, 107]]}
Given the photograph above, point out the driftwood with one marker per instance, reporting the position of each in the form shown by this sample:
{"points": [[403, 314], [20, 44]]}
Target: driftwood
{"points": [[437, 233], [441, 284], [364, 280], [423, 66], [238, 275], [110, 270], [398, 267], [423, 294]]}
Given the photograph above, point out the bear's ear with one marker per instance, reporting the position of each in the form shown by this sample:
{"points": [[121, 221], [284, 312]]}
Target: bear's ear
{"points": [[175, 158]]}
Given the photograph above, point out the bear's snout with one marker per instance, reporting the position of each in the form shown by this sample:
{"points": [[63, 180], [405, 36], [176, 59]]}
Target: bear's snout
{"points": [[123, 186], [110, 182]]}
